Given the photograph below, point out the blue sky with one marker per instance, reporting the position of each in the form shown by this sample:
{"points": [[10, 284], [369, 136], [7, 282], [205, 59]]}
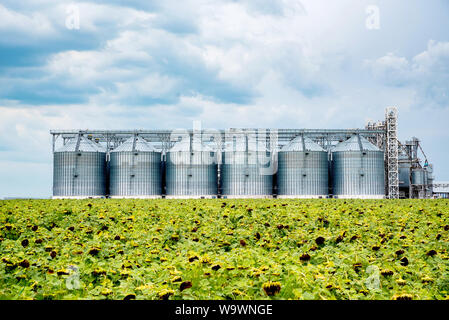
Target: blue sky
{"points": [[229, 63]]}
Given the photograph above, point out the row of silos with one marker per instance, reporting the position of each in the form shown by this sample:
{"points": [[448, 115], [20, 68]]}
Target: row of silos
{"points": [[356, 170], [135, 170]]}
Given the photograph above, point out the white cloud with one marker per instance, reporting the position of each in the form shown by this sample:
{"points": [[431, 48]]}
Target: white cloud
{"points": [[427, 73], [99, 17], [15, 23], [47, 22], [391, 69]]}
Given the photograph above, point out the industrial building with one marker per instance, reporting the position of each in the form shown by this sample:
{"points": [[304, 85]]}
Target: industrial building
{"points": [[441, 190], [366, 163]]}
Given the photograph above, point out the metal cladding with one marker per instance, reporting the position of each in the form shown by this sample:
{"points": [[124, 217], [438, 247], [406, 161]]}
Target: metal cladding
{"points": [[418, 177], [191, 171], [79, 169], [302, 170], [430, 179], [246, 170], [404, 174], [135, 170], [358, 169]]}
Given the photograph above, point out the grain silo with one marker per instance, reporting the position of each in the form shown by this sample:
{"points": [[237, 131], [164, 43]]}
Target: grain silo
{"points": [[135, 170], [358, 170], [79, 169], [191, 170], [404, 172], [246, 169], [419, 176], [303, 170]]}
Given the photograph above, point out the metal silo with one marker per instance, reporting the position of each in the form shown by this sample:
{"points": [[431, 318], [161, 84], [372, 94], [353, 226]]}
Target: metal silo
{"points": [[191, 170], [135, 170], [404, 172], [79, 170], [430, 179], [418, 176], [303, 170], [358, 170], [246, 170]]}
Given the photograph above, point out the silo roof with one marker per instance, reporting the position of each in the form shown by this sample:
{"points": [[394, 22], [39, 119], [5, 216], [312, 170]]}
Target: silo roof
{"points": [[141, 145], [239, 145], [85, 145], [184, 146], [302, 143], [355, 144]]}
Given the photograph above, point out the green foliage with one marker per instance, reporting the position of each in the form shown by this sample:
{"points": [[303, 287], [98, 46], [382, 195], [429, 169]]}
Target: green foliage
{"points": [[224, 249]]}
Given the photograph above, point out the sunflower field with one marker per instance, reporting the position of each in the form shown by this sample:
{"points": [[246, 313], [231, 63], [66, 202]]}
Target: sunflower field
{"points": [[224, 249]]}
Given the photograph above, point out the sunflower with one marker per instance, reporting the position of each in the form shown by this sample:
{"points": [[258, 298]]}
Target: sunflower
{"points": [[271, 288], [402, 297], [165, 294]]}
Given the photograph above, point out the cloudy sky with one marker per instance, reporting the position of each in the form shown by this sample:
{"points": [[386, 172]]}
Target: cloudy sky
{"points": [[115, 64]]}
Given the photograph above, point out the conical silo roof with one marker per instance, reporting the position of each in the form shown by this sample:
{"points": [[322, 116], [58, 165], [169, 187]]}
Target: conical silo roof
{"points": [[85, 145], [356, 143], [140, 145], [301, 144]]}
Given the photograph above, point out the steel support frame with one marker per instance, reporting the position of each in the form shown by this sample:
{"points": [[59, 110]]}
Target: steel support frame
{"points": [[392, 153], [275, 138]]}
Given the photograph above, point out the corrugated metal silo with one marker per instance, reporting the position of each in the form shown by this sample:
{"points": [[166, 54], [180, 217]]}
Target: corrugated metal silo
{"points": [[418, 176], [303, 170], [79, 170], [191, 171], [358, 170], [246, 170], [404, 172], [135, 170]]}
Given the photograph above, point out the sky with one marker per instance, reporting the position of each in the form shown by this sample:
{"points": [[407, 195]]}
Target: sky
{"points": [[227, 63]]}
